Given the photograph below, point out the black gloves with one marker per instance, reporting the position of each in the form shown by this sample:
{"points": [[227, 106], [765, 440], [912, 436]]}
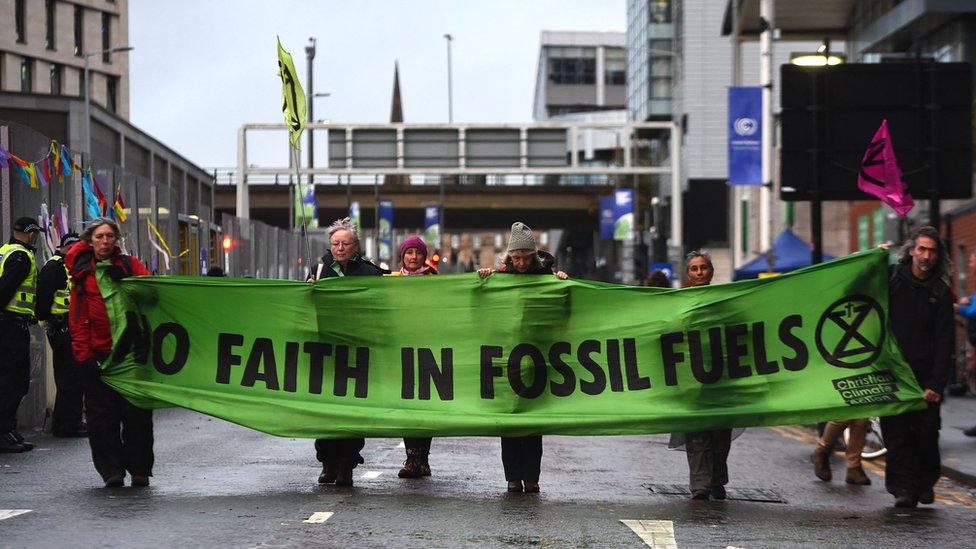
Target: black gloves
{"points": [[115, 272]]}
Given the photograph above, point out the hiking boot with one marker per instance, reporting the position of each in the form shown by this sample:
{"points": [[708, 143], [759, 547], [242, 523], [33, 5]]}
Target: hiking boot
{"points": [[515, 486], [343, 469], [906, 502], [140, 481], [971, 432], [416, 465], [821, 462], [700, 494], [531, 487], [328, 475], [927, 497], [717, 492], [856, 475], [114, 481]]}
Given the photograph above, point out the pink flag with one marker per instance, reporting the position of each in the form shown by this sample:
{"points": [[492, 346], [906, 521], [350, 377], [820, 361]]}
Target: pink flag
{"points": [[880, 176]]}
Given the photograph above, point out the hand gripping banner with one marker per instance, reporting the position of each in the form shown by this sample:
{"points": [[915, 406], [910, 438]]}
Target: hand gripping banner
{"points": [[511, 355]]}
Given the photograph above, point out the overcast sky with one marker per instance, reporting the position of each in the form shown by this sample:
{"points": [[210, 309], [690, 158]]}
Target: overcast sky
{"points": [[201, 68]]}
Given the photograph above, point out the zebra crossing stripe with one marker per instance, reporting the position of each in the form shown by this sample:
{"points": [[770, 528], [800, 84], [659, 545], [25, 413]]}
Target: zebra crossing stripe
{"points": [[319, 517], [658, 534], [10, 513]]}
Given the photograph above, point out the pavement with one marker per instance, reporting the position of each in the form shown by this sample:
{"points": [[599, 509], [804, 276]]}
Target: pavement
{"points": [[958, 450], [216, 484]]}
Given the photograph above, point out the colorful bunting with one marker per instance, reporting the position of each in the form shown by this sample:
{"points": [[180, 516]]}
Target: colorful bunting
{"points": [[91, 201], [99, 195], [67, 165], [119, 207], [57, 162]]}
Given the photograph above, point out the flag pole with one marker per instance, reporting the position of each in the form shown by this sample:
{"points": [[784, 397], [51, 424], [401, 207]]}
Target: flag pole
{"points": [[301, 205]]}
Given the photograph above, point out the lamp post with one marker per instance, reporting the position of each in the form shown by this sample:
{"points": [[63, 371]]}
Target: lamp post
{"points": [[309, 106], [450, 89], [88, 56], [450, 120]]}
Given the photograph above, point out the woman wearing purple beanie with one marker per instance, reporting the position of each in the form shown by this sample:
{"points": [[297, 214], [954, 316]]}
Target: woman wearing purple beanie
{"points": [[413, 262]]}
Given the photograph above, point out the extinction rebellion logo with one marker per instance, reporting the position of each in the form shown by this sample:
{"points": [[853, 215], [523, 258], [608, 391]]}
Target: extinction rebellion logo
{"points": [[850, 334]]}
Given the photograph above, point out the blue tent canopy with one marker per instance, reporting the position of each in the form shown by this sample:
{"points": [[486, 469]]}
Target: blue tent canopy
{"points": [[789, 253]]}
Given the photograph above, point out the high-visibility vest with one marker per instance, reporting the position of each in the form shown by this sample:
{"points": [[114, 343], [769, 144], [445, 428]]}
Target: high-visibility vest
{"points": [[62, 297], [23, 300]]}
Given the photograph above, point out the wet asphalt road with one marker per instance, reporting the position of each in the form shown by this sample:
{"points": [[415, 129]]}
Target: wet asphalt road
{"points": [[217, 484]]}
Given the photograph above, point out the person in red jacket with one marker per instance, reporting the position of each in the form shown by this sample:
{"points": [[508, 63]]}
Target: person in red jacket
{"points": [[120, 433]]}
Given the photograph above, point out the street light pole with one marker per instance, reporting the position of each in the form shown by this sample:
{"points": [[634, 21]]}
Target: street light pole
{"points": [[310, 55], [450, 120], [450, 88], [85, 85]]}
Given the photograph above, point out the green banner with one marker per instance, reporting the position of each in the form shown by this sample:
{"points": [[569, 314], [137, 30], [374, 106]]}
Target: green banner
{"points": [[511, 355]]}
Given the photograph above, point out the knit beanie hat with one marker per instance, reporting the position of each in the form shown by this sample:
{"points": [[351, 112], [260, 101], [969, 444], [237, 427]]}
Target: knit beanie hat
{"points": [[413, 241], [521, 238]]}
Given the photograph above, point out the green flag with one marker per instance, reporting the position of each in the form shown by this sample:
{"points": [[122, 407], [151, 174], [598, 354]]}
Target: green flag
{"points": [[511, 355], [292, 96]]}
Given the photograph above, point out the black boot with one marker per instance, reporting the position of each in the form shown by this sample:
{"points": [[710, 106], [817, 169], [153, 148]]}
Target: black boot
{"points": [[416, 465], [344, 469], [20, 438], [9, 444], [328, 475]]}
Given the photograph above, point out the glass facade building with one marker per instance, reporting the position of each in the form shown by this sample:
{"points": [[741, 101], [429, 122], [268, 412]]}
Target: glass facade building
{"points": [[650, 56]]}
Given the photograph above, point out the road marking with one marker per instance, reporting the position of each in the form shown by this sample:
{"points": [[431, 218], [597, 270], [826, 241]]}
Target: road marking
{"points": [[371, 474], [10, 513], [319, 517], [401, 445], [658, 534]]}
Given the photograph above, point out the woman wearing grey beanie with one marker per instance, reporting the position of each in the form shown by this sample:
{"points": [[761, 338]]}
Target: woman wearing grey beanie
{"points": [[522, 456]]}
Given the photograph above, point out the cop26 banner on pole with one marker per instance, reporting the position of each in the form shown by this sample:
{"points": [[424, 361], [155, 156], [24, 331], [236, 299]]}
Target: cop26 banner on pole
{"points": [[386, 230], [745, 135], [623, 213], [432, 225], [511, 355]]}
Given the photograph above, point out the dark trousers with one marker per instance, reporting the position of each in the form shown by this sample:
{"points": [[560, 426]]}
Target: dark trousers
{"points": [[339, 449], [422, 444], [522, 458], [68, 379], [912, 463], [120, 433], [708, 454], [14, 369]]}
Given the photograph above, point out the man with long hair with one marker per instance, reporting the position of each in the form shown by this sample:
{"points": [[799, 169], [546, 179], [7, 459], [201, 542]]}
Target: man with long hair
{"points": [[920, 310]]}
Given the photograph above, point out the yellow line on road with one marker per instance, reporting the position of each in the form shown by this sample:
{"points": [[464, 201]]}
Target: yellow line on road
{"points": [[945, 493]]}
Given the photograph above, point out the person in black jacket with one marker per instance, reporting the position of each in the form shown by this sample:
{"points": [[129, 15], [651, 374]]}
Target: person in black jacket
{"points": [[53, 298], [18, 275], [522, 456], [920, 311], [340, 456]]}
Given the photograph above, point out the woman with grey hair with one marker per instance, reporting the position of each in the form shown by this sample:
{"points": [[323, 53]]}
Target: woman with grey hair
{"points": [[707, 451], [340, 456], [120, 433]]}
